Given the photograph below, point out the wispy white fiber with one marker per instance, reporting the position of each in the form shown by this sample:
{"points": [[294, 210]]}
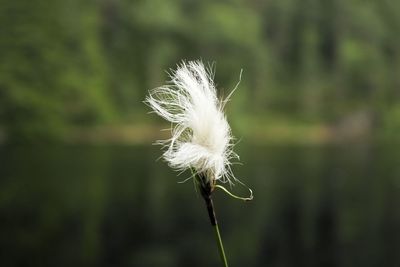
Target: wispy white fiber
{"points": [[201, 136]]}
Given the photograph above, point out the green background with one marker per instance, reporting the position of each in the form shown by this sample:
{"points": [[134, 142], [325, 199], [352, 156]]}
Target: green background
{"points": [[316, 119], [310, 68]]}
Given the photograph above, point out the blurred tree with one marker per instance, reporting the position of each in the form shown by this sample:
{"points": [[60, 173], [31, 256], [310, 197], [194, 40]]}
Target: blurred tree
{"points": [[77, 63], [51, 68]]}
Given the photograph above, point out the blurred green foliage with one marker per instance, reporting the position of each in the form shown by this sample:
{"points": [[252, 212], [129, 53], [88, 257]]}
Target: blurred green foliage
{"points": [[66, 64]]}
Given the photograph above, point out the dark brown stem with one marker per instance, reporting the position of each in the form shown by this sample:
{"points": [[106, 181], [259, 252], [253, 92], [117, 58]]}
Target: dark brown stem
{"points": [[206, 190], [210, 209]]}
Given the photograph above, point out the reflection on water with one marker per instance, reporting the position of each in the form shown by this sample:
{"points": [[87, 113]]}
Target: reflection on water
{"points": [[117, 206]]}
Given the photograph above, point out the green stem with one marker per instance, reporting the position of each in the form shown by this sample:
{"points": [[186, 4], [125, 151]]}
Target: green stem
{"points": [[220, 246], [213, 220], [206, 189]]}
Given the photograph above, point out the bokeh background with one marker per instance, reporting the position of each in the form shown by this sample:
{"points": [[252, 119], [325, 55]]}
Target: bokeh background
{"points": [[316, 117]]}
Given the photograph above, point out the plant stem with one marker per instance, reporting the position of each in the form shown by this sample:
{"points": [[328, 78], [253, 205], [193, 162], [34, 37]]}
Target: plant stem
{"points": [[206, 189], [220, 246], [213, 220]]}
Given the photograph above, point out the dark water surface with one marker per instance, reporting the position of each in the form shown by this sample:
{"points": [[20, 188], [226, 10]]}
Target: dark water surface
{"points": [[117, 206]]}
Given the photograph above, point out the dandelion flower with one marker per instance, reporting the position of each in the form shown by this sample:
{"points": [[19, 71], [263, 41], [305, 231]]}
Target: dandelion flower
{"points": [[201, 138]]}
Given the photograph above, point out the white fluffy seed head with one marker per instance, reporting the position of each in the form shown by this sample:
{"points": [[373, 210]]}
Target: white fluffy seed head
{"points": [[201, 137]]}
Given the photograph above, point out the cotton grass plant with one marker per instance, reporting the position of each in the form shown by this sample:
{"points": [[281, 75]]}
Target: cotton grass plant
{"points": [[201, 138]]}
